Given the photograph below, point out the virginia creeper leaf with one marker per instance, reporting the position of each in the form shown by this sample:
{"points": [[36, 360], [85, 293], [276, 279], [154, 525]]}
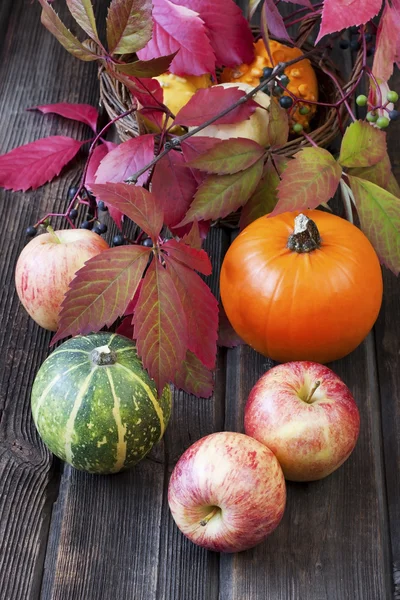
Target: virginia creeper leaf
{"points": [[171, 27], [126, 159], [207, 103], [174, 186], [34, 164], [53, 23], [135, 202], [227, 29], [191, 257], [379, 213], [194, 378], [193, 237], [229, 156], [160, 325], [227, 336], [219, 195], [301, 2], [146, 68], [264, 199], [274, 21], [101, 290], [341, 14], [278, 126], [130, 309], [362, 145], [150, 95], [378, 173], [97, 156], [129, 25], [201, 310], [202, 226], [84, 113], [126, 328], [387, 39], [392, 186], [82, 11], [193, 146], [308, 180]]}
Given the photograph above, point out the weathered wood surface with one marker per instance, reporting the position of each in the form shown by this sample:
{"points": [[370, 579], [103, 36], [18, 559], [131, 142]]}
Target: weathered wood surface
{"points": [[66, 535]]}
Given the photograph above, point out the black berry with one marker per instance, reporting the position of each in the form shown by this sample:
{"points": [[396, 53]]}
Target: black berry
{"points": [[355, 45], [286, 101], [86, 225], [284, 80], [277, 91], [368, 37], [72, 192], [148, 243], [394, 115], [267, 72], [101, 205], [370, 51], [102, 227], [90, 195], [90, 216], [31, 231], [344, 44], [73, 214], [118, 240]]}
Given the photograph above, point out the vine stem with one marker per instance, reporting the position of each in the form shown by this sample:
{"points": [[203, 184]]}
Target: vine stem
{"points": [[347, 195], [309, 139]]}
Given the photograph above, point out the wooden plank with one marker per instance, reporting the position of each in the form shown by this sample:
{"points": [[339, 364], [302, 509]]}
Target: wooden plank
{"points": [[33, 70]]}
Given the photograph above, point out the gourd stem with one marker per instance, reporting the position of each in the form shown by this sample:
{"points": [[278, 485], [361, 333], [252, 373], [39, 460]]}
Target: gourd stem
{"points": [[305, 237], [103, 356], [210, 515], [312, 391]]}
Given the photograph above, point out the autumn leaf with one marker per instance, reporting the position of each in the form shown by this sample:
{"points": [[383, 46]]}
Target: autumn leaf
{"points": [[392, 186], [306, 3], [387, 39], [160, 325], [135, 202], [129, 25], [227, 336], [193, 146], [84, 113], [53, 23], [193, 377], [127, 159], [126, 328], [379, 213], [171, 24], [97, 156], [308, 180], [341, 14], [220, 195], [149, 93], [193, 237], [201, 310], [229, 156], [195, 258], [82, 11], [146, 68], [274, 21], [174, 186], [101, 290], [264, 199], [362, 145], [378, 173], [34, 164], [207, 103], [278, 126]]}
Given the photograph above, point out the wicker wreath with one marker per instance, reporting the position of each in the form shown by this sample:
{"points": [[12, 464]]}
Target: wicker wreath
{"points": [[116, 98]]}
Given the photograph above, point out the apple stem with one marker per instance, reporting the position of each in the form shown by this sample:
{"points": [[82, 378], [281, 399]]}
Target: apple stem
{"points": [[311, 394], [50, 230], [210, 515]]}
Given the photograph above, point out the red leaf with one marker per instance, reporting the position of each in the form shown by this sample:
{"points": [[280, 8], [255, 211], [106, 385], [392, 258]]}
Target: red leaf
{"points": [[101, 290], [274, 20], [195, 146], [228, 30], [194, 378], [149, 93], [341, 14], [227, 336], [193, 237], [201, 310], [146, 68], [202, 226], [98, 154], [35, 164], [160, 326], [191, 257], [301, 2], [229, 156], [127, 159], [84, 113], [130, 309], [129, 25], [179, 28], [387, 39], [82, 11], [135, 202], [126, 328], [174, 185], [206, 103]]}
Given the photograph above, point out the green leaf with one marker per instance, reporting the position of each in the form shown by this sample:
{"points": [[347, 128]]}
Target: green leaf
{"points": [[362, 146], [101, 290], [278, 126], [82, 11], [264, 199], [193, 377], [53, 23], [146, 68], [219, 195], [378, 173], [129, 25], [379, 213], [308, 180], [229, 156]]}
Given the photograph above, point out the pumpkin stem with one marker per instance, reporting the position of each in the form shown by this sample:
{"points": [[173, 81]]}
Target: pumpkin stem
{"points": [[305, 237], [103, 356]]}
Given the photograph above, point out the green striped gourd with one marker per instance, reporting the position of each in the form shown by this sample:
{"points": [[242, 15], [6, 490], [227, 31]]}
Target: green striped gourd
{"points": [[95, 406]]}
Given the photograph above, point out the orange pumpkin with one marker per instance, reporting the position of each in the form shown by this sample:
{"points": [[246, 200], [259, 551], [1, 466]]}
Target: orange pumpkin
{"points": [[307, 292], [302, 78]]}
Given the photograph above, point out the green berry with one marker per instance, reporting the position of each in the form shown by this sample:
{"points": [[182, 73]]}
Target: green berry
{"points": [[372, 117], [297, 127], [361, 100], [392, 96], [383, 122], [304, 110]]}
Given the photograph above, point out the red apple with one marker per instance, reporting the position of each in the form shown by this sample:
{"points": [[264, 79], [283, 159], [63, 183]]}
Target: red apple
{"points": [[227, 492], [306, 415], [47, 265]]}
